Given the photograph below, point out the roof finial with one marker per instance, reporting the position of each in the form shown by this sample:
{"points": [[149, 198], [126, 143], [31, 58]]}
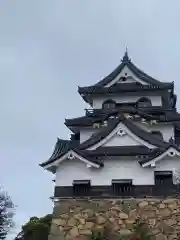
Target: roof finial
{"points": [[126, 57]]}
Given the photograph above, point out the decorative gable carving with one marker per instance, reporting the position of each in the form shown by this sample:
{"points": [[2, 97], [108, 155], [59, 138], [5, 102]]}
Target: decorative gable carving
{"points": [[70, 156], [121, 132], [126, 75], [171, 152]]}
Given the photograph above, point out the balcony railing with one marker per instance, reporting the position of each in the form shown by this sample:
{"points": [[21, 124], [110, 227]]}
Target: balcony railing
{"points": [[137, 191], [152, 110]]}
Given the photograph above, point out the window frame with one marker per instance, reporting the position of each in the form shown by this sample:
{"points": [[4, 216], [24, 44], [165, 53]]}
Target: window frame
{"points": [[144, 100], [109, 104]]}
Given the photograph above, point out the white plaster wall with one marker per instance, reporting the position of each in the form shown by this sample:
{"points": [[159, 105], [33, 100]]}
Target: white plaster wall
{"points": [[70, 170], [168, 164], [128, 80], [166, 129], [86, 133], [113, 139], [98, 101], [129, 74], [117, 140]]}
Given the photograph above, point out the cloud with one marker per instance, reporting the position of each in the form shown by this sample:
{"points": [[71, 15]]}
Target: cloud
{"points": [[47, 49]]}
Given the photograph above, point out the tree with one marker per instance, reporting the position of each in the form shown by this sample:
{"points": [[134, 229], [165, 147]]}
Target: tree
{"points": [[36, 229], [6, 214], [176, 176]]}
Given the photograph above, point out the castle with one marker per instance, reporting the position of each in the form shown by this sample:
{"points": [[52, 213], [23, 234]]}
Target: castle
{"points": [[127, 144]]}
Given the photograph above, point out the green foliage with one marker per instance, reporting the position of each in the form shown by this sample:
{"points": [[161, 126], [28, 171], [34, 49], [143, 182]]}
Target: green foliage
{"points": [[6, 214], [97, 235], [36, 229]]}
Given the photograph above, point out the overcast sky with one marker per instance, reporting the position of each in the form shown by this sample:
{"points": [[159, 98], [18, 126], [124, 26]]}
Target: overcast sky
{"points": [[47, 49]]}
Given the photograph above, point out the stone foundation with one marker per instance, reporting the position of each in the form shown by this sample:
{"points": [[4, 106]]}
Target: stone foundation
{"points": [[76, 219]]}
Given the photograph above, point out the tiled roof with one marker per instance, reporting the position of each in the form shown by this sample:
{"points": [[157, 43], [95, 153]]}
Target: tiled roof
{"points": [[123, 87], [126, 61], [101, 134], [99, 115], [104, 131], [119, 151], [146, 136], [100, 87], [63, 146]]}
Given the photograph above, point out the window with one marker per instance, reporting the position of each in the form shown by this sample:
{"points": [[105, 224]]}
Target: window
{"points": [[163, 178], [109, 104], [81, 187], [123, 79], [122, 187], [144, 102], [157, 134]]}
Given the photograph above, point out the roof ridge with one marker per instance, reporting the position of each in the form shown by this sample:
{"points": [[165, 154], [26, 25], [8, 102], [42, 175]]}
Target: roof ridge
{"points": [[136, 70], [99, 115], [146, 136], [104, 131]]}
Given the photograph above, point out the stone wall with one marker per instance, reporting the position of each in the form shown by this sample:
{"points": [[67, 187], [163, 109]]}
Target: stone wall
{"points": [[76, 219]]}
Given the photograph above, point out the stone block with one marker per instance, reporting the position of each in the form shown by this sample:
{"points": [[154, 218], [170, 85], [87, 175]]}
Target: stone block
{"points": [[143, 204], [123, 216], [85, 232], [59, 222], [71, 222], [74, 232], [125, 232], [77, 219], [100, 220], [88, 225]]}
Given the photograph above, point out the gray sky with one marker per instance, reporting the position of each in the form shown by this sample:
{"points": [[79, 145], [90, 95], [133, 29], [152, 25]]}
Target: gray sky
{"points": [[47, 49]]}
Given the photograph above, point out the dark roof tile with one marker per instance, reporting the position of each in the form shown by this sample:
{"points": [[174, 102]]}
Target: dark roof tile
{"points": [[100, 115], [63, 146], [123, 87], [126, 61]]}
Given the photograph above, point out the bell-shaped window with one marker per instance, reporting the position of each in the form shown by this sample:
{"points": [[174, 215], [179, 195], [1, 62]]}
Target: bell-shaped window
{"points": [[108, 104], [144, 102], [157, 134]]}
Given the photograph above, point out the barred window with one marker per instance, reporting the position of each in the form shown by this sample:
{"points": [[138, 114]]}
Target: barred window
{"points": [[81, 187], [122, 187], [163, 178], [144, 102], [108, 104]]}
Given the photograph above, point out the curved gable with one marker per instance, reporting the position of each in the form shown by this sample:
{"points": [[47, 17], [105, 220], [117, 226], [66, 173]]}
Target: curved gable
{"points": [[69, 155], [171, 152], [121, 130]]}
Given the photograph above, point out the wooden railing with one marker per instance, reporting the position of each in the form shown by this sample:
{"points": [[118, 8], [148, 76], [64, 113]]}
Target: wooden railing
{"points": [[122, 107]]}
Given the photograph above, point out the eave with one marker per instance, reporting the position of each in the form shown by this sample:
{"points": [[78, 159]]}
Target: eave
{"points": [[126, 61], [123, 88], [52, 164], [86, 150], [100, 87], [100, 115], [93, 158], [112, 126], [171, 151], [61, 147], [122, 151]]}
